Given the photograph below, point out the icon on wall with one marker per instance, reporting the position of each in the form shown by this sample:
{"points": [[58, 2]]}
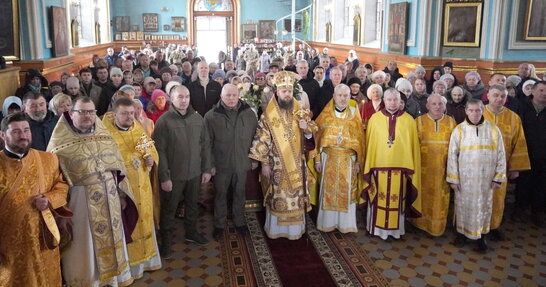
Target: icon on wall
{"points": [[60, 31], [150, 21], [178, 24]]}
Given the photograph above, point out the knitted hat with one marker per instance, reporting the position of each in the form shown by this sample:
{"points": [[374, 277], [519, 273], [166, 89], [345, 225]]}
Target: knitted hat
{"points": [[158, 93], [56, 83], [165, 70], [231, 74], [148, 80], [353, 81], [447, 76], [170, 85], [448, 64], [473, 74], [515, 80], [115, 71], [125, 88], [219, 73]]}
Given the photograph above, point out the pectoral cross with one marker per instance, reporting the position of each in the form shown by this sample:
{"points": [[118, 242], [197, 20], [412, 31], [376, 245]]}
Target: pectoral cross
{"points": [[390, 142], [339, 138], [288, 135], [136, 161]]}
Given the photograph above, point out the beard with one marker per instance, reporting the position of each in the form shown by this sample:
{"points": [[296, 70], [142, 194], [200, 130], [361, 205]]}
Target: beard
{"points": [[38, 116], [18, 147], [286, 105]]}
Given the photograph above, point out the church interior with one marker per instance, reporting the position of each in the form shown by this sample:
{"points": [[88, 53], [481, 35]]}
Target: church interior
{"points": [[60, 37]]}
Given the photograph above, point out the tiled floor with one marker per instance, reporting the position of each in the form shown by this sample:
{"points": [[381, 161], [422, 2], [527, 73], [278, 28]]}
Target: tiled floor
{"points": [[417, 259]]}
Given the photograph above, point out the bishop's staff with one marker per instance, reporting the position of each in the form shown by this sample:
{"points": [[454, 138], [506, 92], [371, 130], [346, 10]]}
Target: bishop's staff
{"points": [[309, 126]]}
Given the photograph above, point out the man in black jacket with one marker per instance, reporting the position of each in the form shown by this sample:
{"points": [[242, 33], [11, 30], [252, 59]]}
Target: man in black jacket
{"points": [[392, 68], [531, 185], [42, 122], [231, 125], [309, 85], [204, 92]]}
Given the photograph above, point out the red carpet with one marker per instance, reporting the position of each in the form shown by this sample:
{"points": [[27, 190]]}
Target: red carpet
{"points": [[297, 261]]}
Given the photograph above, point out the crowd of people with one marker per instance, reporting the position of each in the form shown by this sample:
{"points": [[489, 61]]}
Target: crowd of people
{"points": [[93, 165]]}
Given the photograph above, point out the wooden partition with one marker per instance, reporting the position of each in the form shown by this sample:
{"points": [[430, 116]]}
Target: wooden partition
{"points": [[407, 64], [79, 58], [9, 82]]}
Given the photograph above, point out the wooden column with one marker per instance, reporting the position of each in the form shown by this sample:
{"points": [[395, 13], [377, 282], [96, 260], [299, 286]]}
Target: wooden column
{"points": [[9, 81]]}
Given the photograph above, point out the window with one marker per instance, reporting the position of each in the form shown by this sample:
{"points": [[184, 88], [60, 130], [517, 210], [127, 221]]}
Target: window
{"points": [[204, 5], [341, 14], [87, 13]]}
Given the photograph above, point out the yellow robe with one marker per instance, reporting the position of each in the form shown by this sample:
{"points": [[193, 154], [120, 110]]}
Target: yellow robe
{"points": [[141, 249], [25, 262], [392, 170], [434, 138], [515, 148], [278, 143], [340, 139]]}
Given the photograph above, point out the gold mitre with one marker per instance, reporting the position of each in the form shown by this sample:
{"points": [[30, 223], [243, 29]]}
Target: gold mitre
{"points": [[284, 79]]}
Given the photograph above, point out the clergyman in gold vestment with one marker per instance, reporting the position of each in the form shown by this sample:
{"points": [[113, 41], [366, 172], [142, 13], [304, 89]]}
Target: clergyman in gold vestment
{"points": [[100, 197], [278, 145], [515, 148], [31, 190], [139, 155], [434, 130], [338, 156]]}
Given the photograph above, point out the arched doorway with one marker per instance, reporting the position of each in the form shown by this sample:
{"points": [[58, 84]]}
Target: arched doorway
{"points": [[214, 26]]}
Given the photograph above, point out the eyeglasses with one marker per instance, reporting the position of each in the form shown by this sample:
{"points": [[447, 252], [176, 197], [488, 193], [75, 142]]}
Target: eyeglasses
{"points": [[86, 112]]}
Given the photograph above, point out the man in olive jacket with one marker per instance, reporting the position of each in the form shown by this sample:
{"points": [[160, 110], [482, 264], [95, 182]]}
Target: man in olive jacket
{"points": [[231, 125], [184, 163]]}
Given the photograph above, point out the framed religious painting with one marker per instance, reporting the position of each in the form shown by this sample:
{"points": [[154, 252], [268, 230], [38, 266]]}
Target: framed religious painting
{"points": [[60, 31], [134, 28], [140, 36], [150, 22], [462, 24], [250, 31], [178, 24], [117, 37], [266, 29], [398, 16], [9, 30], [166, 27], [535, 29], [125, 36], [122, 23], [132, 36]]}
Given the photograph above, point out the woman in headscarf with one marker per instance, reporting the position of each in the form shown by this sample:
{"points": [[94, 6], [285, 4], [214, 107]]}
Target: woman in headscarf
{"points": [[474, 85], [456, 101], [435, 75]]}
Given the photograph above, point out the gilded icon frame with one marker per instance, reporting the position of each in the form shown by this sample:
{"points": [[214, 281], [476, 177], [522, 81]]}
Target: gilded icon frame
{"points": [[534, 23], [462, 24]]}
